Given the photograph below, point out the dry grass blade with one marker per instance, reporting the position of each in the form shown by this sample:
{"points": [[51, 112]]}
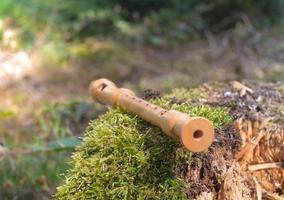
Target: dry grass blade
{"points": [[266, 166], [258, 189]]}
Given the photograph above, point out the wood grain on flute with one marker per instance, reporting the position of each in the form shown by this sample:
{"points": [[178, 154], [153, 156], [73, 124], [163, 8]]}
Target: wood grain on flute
{"points": [[195, 133]]}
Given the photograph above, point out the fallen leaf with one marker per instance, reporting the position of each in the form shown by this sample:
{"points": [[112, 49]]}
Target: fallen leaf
{"points": [[242, 88]]}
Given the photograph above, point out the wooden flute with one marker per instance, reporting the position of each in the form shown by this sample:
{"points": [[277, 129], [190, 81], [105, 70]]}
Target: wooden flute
{"points": [[195, 133]]}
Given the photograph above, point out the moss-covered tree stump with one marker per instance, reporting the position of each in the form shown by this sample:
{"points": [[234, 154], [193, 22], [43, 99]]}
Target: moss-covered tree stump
{"points": [[124, 157]]}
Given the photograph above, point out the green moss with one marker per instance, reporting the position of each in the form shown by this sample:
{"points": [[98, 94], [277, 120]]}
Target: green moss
{"points": [[217, 115], [118, 161], [280, 88], [281, 109], [123, 157], [183, 93]]}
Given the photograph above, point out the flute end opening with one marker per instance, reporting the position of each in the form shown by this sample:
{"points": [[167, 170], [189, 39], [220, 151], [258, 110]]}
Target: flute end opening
{"points": [[197, 134]]}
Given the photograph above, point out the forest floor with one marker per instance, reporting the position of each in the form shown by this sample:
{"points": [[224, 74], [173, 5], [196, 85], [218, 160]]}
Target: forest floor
{"points": [[37, 100]]}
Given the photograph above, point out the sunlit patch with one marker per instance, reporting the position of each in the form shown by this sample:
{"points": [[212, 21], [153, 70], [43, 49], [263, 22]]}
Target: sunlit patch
{"points": [[14, 66]]}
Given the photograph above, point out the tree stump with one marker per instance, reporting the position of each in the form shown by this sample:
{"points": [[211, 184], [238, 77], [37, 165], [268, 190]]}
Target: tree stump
{"points": [[124, 157]]}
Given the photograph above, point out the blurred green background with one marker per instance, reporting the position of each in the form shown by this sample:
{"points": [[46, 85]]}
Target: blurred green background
{"points": [[51, 50]]}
